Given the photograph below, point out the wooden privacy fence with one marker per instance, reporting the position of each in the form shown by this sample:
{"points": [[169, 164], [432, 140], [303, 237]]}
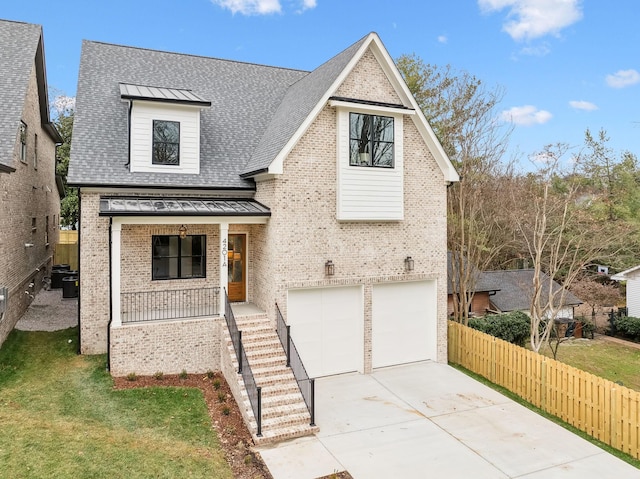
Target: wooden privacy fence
{"points": [[601, 408], [66, 250]]}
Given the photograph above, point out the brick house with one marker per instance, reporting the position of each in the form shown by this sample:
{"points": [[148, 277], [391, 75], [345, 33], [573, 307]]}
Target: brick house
{"points": [[227, 188], [30, 204]]}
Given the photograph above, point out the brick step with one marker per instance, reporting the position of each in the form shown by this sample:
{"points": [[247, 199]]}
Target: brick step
{"points": [[285, 410], [278, 398], [284, 434], [254, 341]]}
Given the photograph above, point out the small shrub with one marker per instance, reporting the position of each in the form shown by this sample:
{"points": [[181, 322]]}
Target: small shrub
{"points": [[226, 410], [588, 329], [159, 376], [183, 374], [629, 326], [132, 377], [210, 374], [248, 459], [216, 384], [514, 327], [222, 396]]}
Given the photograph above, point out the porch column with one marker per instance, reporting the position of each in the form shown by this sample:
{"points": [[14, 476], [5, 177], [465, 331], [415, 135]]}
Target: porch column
{"points": [[116, 228], [224, 259]]}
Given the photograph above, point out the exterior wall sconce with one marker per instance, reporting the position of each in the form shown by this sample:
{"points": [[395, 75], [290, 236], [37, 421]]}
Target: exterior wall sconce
{"points": [[409, 263], [28, 245], [183, 232], [329, 268]]}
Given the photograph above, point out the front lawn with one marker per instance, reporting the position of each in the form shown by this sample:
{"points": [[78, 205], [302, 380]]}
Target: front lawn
{"points": [[609, 360], [61, 418]]}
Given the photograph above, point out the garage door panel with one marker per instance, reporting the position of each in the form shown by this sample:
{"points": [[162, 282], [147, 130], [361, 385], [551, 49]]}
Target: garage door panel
{"points": [[326, 326], [404, 326]]}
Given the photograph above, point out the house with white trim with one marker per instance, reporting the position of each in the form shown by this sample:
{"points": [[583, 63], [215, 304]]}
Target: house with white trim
{"points": [[221, 201], [632, 277]]}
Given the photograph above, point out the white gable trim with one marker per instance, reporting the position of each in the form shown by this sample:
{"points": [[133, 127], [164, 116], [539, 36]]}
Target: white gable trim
{"points": [[624, 275], [374, 43]]}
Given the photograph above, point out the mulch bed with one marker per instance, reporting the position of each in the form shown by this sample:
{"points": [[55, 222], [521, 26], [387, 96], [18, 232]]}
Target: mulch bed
{"points": [[235, 438]]}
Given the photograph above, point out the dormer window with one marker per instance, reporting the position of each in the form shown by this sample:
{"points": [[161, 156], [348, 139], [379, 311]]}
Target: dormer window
{"points": [[370, 140], [164, 129], [166, 142]]}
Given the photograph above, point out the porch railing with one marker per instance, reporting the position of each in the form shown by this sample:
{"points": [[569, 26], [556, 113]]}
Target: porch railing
{"points": [[169, 304], [254, 392], [306, 384]]}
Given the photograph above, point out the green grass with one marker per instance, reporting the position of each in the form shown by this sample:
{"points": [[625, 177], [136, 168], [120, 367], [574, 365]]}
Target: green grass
{"points": [[612, 361], [61, 418]]}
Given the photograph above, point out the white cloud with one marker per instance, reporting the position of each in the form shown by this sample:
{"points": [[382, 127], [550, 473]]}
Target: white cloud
{"points": [[442, 39], [623, 78], [583, 105], [262, 7], [529, 19], [537, 51], [250, 7], [526, 115]]}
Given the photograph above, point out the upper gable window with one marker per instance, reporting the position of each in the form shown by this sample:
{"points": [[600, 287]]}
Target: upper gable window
{"points": [[166, 142], [371, 140]]}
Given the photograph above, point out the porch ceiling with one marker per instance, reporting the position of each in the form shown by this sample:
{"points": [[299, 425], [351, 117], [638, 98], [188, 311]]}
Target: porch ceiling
{"points": [[168, 206]]}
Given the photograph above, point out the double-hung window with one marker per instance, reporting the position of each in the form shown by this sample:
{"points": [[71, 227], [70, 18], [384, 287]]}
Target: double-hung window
{"points": [[371, 140], [166, 142], [178, 258]]}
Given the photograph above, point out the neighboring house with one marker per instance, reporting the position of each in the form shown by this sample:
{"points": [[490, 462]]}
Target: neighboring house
{"points": [[632, 277], [515, 290], [482, 287], [323, 192], [30, 198]]}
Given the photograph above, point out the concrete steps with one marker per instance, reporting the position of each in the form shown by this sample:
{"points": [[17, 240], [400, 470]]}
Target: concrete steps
{"points": [[284, 412]]}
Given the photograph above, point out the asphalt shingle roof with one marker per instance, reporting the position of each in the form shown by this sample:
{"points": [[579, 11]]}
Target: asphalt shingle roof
{"points": [[255, 110], [18, 46], [516, 288]]}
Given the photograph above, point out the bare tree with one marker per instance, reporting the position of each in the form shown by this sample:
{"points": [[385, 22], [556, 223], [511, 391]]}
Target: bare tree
{"points": [[462, 113], [559, 234]]}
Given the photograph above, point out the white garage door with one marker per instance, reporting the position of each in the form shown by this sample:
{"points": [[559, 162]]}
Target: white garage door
{"points": [[404, 323], [327, 328]]}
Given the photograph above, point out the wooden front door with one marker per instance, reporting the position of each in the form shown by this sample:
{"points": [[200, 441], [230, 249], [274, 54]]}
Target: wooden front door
{"points": [[237, 268]]}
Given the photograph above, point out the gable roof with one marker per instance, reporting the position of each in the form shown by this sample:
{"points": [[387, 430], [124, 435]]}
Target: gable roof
{"points": [[483, 283], [624, 275], [516, 288], [257, 114], [21, 45]]}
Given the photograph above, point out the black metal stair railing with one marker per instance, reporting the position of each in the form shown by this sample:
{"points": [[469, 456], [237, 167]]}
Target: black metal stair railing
{"points": [[254, 392], [306, 384]]}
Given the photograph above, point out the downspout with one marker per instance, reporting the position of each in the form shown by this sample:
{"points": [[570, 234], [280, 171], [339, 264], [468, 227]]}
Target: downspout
{"points": [[110, 303], [79, 270], [129, 134]]}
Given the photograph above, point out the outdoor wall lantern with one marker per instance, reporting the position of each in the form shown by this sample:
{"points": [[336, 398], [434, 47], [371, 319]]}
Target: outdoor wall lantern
{"points": [[329, 268], [183, 232], [409, 263]]}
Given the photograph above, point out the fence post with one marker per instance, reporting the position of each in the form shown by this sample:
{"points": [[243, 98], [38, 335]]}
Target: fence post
{"points": [[492, 368], [543, 385], [239, 352], [312, 384]]}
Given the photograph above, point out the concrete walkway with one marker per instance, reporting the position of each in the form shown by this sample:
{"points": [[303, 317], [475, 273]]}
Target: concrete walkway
{"points": [[428, 420]]}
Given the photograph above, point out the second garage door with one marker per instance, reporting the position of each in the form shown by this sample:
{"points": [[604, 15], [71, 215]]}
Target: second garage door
{"points": [[404, 323], [327, 328]]}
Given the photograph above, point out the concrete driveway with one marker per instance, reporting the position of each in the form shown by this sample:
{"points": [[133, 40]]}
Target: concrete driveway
{"points": [[428, 420]]}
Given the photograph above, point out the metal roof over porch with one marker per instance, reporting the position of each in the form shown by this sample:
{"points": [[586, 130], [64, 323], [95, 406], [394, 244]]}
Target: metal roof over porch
{"points": [[164, 206]]}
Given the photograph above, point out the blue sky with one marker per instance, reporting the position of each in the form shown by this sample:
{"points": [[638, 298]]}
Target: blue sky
{"points": [[565, 65]]}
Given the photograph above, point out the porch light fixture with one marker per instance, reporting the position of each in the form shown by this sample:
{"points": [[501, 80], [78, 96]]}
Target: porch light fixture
{"points": [[183, 232], [409, 263], [329, 268]]}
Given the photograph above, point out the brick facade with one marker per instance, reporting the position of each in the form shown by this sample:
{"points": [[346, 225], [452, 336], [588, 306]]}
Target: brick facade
{"points": [[29, 214], [288, 252]]}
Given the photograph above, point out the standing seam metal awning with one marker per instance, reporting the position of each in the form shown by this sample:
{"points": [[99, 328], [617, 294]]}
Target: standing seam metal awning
{"points": [[133, 206]]}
